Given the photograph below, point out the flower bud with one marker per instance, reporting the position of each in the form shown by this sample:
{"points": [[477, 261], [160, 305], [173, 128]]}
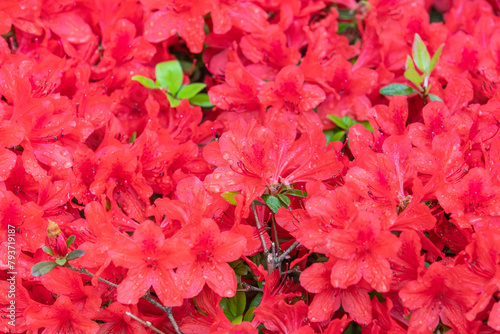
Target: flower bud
{"points": [[56, 240]]}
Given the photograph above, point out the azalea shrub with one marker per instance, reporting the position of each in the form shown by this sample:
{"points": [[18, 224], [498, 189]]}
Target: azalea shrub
{"points": [[234, 166]]}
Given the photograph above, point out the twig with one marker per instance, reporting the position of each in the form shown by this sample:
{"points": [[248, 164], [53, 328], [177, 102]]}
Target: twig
{"points": [[145, 323], [248, 287], [84, 271], [280, 258], [167, 310], [275, 230], [147, 296], [257, 223]]}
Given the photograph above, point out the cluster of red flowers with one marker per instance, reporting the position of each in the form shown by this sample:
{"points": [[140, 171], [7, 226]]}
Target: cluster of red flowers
{"points": [[301, 200]]}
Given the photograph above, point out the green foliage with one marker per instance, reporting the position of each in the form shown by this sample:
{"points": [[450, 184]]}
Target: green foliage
{"points": [[70, 240], [397, 89], [42, 268], [273, 202], [229, 196], [75, 254], [234, 307], [419, 67], [341, 132], [169, 77]]}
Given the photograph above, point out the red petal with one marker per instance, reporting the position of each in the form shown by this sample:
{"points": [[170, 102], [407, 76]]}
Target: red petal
{"points": [[231, 247], [166, 288], [377, 272], [345, 273], [160, 26], [221, 279], [494, 318], [70, 26], [316, 278], [135, 285], [323, 305], [11, 134], [191, 280], [7, 162], [192, 30], [356, 302]]}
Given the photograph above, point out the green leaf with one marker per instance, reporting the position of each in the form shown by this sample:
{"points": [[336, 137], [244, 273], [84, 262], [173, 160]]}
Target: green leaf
{"points": [[146, 82], [133, 138], [348, 121], [296, 192], [256, 202], [397, 89], [169, 75], [224, 305], [75, 254], [237, 304], [338, 136], [367, 125], [249, 315], [411, 73], [433, 97], [273, 202], [42, 268], [284, 199], [61, 262], [229, 196], [201, 100], [329, 134], [47, 250], [237, 320], [420, 55], [338, 121], [435, 58], [189, 91], [256, 300], [70, 240], [173, 101]]}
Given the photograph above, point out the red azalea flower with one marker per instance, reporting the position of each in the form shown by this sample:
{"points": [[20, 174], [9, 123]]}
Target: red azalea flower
{"points": [[150, 259], [363, 251], [479, 265], [61, 317], [26, 219], [252, 157], [275, 312], [118, 174], [185, 18], [269, 46], [61, 281], [117, 321], [210, 250], [437, 295], [289, 91], [472, 201], [354, 300], [408, 265]]}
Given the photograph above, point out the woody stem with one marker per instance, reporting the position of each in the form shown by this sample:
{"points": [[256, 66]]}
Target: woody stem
{"points": [[275, 231], [287, 252], [147, 296], [145, 323], [257, 223], [269, 256]]}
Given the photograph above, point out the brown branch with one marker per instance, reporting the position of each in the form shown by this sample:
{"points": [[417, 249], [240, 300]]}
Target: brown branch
{"points": [[145, 323]]}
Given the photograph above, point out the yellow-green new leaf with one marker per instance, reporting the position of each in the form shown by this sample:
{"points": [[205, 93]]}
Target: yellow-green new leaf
{"points": [[435, 58], [420, 55], [411, 73], [229, 196], [146, 82], [169, 75]]}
